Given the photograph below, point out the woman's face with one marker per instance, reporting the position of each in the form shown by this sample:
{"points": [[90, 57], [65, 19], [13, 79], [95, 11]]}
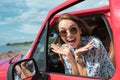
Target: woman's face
{"points": [[70, 32]]}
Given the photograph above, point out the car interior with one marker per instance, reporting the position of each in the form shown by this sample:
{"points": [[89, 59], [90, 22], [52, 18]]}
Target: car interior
{"points": [[99, 28]]}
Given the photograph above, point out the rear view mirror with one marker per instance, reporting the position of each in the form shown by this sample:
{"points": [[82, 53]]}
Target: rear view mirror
{"points": [[22, 70]]}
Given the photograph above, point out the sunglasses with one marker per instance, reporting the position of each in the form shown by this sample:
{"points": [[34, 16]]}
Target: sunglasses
{"points": [[63, 33]]}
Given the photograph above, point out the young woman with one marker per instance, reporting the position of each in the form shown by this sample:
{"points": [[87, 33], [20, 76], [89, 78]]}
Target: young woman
{"points": [[81, 55]]}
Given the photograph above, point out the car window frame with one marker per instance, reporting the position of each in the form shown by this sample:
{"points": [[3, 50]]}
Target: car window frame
{"points": [[107, 26], [42, 37]]}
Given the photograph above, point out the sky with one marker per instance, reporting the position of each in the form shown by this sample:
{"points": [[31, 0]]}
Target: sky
{"points": [[20, 20]]}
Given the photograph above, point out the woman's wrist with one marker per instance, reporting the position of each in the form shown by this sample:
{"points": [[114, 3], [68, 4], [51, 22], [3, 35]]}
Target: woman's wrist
{"points": [[80, 59], [78, 55]]}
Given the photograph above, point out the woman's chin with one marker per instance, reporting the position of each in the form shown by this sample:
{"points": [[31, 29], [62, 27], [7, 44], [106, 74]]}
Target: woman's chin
{"points": [[72, 45]]}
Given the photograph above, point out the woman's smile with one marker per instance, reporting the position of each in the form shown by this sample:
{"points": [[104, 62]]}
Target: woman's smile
{"points": [[71, 41]]}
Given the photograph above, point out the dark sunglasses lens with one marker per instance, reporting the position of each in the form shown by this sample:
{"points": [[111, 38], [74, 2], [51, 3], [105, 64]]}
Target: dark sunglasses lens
{"points": [[63, 33], [73, 30]]}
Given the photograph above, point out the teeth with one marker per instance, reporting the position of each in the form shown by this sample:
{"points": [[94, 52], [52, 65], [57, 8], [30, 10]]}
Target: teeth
{"points": [[71, 39]]}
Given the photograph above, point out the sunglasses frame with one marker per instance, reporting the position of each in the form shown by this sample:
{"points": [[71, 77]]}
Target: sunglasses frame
{"points": [[73, 30]]}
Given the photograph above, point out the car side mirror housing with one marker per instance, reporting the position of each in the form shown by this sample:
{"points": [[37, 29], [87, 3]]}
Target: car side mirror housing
{"points": [[23, 69], [15, 58]]}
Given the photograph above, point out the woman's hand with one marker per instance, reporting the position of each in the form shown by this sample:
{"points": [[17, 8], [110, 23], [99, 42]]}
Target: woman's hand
{"points": [[79, 51], [60, 50]]}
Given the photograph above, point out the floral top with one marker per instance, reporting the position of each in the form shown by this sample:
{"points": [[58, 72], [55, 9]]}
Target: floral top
{"points": [[96, 60]]}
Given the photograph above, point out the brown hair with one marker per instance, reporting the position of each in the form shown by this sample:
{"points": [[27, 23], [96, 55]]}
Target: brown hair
{"points": [[81, 23]]}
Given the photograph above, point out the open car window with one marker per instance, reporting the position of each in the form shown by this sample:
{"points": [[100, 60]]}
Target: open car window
{"points": [[99, 28], [98, 24]]}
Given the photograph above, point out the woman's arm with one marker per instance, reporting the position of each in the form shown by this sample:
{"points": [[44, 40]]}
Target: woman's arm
{"points": [[75, 70], [81, 66], [78, 57]]}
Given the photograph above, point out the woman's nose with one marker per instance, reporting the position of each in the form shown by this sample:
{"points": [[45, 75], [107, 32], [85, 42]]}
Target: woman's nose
{"points": [[68, 33]]}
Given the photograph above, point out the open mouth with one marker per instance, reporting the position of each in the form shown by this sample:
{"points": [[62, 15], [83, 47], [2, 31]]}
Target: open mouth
{"points": [[71, 41]]}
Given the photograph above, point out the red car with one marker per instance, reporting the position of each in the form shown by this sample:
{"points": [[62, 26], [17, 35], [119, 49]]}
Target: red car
{"points": [[105, 23]]}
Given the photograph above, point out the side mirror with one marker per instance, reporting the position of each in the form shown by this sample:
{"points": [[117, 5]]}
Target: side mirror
{"points": [[22, 70]]}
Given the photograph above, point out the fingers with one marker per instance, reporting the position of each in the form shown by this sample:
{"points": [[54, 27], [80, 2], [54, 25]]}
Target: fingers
{"points": [[55, 48], [85, 48], [89, 45], [60, 50]]}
